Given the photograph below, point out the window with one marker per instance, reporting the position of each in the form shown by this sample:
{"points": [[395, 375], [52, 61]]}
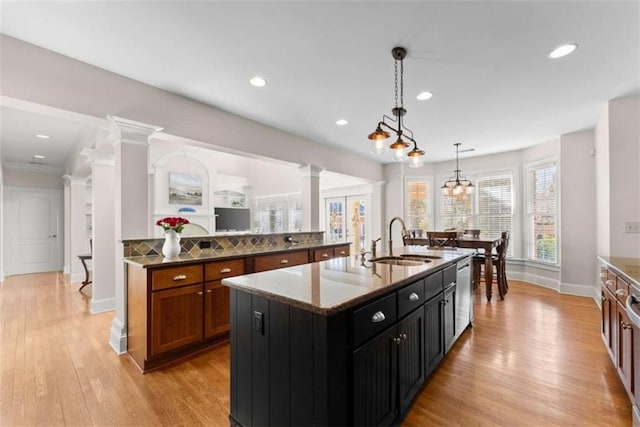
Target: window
{"points": [[277, 214], [456, 211], [418, 212], [542, 212], [494, 195]]}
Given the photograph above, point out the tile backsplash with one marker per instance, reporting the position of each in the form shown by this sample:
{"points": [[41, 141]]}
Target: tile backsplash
{"points": [[151, 247]]}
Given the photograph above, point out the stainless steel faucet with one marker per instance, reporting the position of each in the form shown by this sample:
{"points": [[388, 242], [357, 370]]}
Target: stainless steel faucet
{"points": [[404, 233], [373, 246]]}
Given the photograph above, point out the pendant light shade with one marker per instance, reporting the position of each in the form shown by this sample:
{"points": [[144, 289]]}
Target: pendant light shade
{"points": [[457, 185], [395, 124]]}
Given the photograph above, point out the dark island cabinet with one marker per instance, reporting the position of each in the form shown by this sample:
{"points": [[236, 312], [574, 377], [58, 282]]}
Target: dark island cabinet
{"points": [[361, 366]]}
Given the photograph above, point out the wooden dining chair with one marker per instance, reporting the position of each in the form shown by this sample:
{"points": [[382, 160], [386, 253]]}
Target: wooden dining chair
{"points": [[472, 232], [499, 261], [441, 239]]}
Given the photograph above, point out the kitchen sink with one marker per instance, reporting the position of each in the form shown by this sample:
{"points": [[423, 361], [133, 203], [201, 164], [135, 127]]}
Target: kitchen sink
{"points": [[395, 260], [426, 258]]}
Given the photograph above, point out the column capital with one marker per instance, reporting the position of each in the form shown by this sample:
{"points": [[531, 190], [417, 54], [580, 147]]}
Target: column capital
{"points": [[310, 170], [71, 180], [98, 157], [132, 132]]}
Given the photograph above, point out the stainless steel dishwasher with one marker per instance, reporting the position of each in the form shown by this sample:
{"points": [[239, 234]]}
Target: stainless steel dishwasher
{"points": [[463, 301]]}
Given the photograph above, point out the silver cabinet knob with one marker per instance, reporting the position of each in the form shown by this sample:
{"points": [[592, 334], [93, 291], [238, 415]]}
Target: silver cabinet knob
{"points": [[284, 261], [225, 270], [179, 277], [414, 297], [378, 317]]}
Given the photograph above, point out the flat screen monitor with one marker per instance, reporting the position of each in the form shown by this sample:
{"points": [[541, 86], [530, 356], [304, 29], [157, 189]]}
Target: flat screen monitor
{"points": [[232, 219]]}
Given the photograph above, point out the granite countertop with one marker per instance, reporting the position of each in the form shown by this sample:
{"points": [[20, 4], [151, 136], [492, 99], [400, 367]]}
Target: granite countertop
{"points": [[220, 254], [629, 268], [328, 287]]}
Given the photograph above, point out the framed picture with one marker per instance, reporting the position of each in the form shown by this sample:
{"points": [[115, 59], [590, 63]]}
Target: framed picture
{"points": [[185, 189]]}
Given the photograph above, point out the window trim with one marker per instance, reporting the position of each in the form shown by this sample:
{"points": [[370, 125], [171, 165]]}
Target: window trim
{"points": [[527, 167], [430, 197]]}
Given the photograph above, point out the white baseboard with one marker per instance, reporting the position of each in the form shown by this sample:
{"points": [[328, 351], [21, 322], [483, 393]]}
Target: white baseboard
{"points": [[118, 336], [578, 290], [66, 269], [102, 305], [545, 282]]}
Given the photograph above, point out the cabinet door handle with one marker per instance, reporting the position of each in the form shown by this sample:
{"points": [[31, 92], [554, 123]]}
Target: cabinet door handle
{"points": [[225, 270], [200, 293], [208, 291], [378, 317], [396, 340], [625, 325], [179, 277], [325, 255], [343, 253], [622, 292], [284, 261], [403, 337], [604, 298], [414, 297], [609, 282]]}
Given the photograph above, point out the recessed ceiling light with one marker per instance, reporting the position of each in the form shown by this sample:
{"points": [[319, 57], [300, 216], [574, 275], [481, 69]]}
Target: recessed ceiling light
{"points": [[257, 81], [341, 122], [563, 50], [38, 156], [423, 96], [42, 136]]}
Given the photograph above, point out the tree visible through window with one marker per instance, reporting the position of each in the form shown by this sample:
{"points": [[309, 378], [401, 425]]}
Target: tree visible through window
{"points": [[542, 212], [418, 215]]}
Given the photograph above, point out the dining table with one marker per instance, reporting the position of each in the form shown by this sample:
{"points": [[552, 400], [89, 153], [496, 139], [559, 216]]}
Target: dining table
{"points": [[469, 242]]}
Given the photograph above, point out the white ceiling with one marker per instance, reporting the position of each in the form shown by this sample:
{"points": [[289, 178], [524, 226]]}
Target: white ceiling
{"points": [[486, 63]]}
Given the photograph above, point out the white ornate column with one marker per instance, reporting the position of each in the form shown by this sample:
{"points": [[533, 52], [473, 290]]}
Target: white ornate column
{"points": [[310, 197], [103, 234], [132, 211], [77, 233]]}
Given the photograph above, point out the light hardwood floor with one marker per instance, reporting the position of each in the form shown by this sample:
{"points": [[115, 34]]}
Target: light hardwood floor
{"points": [[535, 358]]}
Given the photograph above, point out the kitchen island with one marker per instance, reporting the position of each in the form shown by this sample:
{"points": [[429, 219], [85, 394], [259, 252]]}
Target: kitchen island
{"points": [[341, 342]]}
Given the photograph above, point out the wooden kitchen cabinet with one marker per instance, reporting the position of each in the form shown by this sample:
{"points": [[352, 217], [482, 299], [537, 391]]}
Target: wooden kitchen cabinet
{"points": [[608, 323], [329, 253], [617, 329], [280, 260], [624, 353], [434, 336], [216, 296], [176, 318]]}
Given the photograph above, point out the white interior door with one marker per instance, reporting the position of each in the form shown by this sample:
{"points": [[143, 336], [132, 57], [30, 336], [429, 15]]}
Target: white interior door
{"points": [[32, 230]]}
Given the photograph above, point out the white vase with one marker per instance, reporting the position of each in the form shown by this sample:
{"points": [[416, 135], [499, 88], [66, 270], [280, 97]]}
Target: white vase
{"points": [[171, 245]]}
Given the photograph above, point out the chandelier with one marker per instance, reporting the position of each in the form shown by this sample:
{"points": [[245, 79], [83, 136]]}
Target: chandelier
{"points": [[397, 126], [456, 185]]}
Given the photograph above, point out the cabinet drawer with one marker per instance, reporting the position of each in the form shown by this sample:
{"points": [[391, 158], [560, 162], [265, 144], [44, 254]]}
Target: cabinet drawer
{"points": [[432, 285], [373, 318], [622, 290], [449, 275], [288, 259], [410, 298], [610, 282], [341, 251], [221, 269], [173, 277], [322, 254]]}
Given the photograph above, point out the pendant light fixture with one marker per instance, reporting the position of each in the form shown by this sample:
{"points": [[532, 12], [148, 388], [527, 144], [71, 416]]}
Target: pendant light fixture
{"points": [[456, 185], [378, 136]]}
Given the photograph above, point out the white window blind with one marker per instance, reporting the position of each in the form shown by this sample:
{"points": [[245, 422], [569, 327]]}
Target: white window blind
{"points": [[418, 212], [494, 195], [542, 212]]}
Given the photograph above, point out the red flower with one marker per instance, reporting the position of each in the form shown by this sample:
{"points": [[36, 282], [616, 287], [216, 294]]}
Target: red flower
{"points": [[172, 223]]}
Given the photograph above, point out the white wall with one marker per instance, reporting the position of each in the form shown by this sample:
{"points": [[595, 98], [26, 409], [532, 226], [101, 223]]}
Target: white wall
{"points": [[624, 174], [602, 184], [23, 178], [577, 213]]}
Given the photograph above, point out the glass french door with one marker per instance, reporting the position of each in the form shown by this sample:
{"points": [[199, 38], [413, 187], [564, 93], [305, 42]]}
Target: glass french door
{"points": [[346, 219]]}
